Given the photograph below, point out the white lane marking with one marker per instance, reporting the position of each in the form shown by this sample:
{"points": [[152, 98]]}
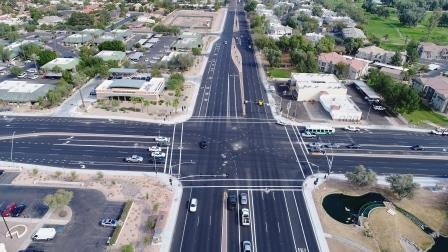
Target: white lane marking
{"points": [[234, 92], [224, 224], [181, 147], [239, 224], [292, 146], [252, 217], [289, 218], [228, 96], [172, 147], [241, 179], [230, 187], [300, 219], [104, 146], [301, 147], [185, 223], [166, 160]]}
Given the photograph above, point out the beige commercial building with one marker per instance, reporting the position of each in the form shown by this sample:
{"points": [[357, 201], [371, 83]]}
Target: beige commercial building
{"points": [[310, 86], [123, 89]]}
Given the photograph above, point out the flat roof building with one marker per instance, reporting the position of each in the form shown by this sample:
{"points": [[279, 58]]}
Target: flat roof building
{"points": [[310, 86], [187, 41], [22, 91], [78, 39], [366, 90], [111, 55], [123, 71], [14, 48], [125, 88], [64, 63], [340, 107]]}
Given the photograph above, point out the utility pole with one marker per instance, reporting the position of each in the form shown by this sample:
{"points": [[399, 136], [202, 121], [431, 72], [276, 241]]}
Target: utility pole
{"points": [[82, 98]]}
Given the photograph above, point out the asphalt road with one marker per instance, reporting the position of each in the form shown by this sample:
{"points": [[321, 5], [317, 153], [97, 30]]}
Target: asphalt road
{"points": [[246, 152]]}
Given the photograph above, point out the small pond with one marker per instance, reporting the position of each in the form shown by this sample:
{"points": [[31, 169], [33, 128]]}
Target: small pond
{"points": [[346, 209]]}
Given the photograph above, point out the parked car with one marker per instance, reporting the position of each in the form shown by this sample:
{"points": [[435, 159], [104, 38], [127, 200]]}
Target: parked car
{"points": [[193, 205], [134, 159], [44, 234], [109, 223], [21, 76], [379, 108], [439, 131], [9, 209], [18, 210], [231, 200], [308, 135]]}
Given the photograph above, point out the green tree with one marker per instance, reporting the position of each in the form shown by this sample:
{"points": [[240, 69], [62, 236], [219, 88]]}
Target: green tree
{"points": [[412, 52], [5, 54], [273, 56], [342, 70], [112, 45], [15, 71], [409, 14], [155, 72], [317, 11], [402, 185], [433, 21], [58, 200], [196, 51], [176, 81], [81, 20], [396, 59], [361, 177], [181, 62], [352, 45], [325, 45], [443, 20], [27, 50], [304, 61], [45, 56], [127, 248], [175, 104], [250, 6]]}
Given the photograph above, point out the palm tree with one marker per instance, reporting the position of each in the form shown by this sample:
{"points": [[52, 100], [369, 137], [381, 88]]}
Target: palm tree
{"points": [[176, 104], [134, 101], [34, 57]]}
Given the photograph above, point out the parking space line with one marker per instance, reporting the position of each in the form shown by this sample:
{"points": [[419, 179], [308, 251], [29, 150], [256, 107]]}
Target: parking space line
{"points": [[239, 224], [172, 147], [252, 217]]}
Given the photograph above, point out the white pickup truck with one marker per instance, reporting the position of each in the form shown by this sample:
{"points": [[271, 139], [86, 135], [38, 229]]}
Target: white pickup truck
{"points": [[245, 217]]}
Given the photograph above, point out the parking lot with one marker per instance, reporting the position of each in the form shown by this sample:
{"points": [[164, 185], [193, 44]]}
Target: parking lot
{"points": [[313, 111], [82, 233], [154, 53]]}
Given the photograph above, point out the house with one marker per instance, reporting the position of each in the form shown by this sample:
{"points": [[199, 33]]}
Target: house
{"points": [[16, 47], [111, 55], [431, 51], [433, 89], [23, 91], [357, 67], [145, 19], [353, 33], [277, 30], [396, 74], [333, 20], [340, 107], [314, 37], [77, 40], [310, 86], [63, 63], [377, 54]]}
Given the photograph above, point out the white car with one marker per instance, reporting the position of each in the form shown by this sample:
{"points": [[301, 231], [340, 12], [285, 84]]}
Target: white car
{"points": [[109, 222], [21, 76], [352, 128], [155, 148], [439, 131], [134, 159], [44, 234], [193, 205], [33, 77], [158, 154], [379, 108], [308, 135], [32, 70]]}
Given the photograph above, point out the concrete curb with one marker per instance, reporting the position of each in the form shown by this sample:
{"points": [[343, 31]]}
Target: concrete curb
{"points": [[168, 230]]}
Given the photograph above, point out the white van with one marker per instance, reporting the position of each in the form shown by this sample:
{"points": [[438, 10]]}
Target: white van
{"points": [[44, 234]]}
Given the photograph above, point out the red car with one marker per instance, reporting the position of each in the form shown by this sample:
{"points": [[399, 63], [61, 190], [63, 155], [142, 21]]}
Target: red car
{"points": [[9, 209]]}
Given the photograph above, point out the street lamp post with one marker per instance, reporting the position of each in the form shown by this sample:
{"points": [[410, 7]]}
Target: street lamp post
{"points": [[12, 147], [7, 227]]}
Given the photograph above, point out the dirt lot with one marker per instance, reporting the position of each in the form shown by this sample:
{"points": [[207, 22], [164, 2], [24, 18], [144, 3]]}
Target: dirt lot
{"points": [[150, 199], [196, 20], [426, 205]]}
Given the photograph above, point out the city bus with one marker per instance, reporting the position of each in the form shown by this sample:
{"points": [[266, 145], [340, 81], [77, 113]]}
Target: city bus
{"points": [[319, 130]]}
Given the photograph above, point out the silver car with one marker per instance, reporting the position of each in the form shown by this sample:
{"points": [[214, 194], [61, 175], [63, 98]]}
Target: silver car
{"points": [[243, 198], [247, 246]]}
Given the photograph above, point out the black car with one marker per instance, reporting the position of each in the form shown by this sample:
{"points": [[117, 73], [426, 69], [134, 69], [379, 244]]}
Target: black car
{"points": [[18, 210], [232, 200], [1, 172], [417, 147], [203, 144], [353, 146]]}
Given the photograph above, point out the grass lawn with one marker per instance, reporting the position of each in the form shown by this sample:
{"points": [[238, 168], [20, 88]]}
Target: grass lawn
{"points": [[397, 33], [419, 117], [279, 72]]}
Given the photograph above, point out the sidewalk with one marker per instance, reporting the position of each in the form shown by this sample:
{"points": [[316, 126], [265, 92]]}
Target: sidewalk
{"points": [[308, 188], [168, 230]]}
